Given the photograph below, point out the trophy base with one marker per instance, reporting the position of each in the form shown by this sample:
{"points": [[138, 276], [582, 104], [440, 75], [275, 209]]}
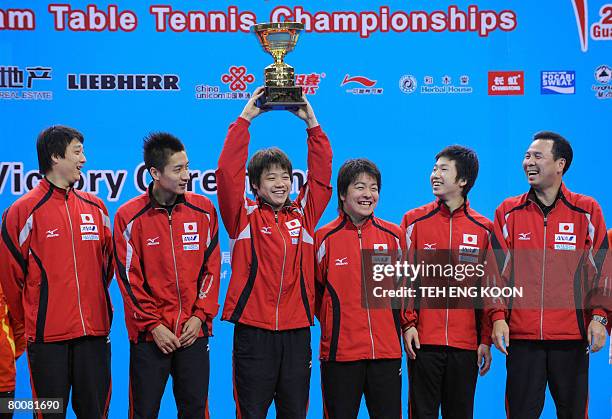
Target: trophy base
{"points": [[281, 98]]}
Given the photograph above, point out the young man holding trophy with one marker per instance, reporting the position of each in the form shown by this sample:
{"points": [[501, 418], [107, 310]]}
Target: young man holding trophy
{"points": [[270, 297]]}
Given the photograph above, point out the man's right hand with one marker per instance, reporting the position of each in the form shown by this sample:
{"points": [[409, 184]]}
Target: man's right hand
{"points": [[501, 335], [166, 341], [411, 335], [251, 111]]}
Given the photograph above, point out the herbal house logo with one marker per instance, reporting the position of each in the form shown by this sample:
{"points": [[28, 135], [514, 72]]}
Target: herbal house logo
{"points": [[408, 84], [446, 85]]}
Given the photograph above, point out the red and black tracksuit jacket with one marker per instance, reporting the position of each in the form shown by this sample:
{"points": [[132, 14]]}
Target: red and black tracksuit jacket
{"points": [[168, 263], [351, 328], [560, 261], [12, 345], [272, 280], [56, 263], [434, 235]]}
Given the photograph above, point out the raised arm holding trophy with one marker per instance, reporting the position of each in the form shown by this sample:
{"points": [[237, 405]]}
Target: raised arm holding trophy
{"points": [[270, 298]]}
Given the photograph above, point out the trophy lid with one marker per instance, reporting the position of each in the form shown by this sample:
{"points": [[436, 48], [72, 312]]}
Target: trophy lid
{"points": [[278, 36]]}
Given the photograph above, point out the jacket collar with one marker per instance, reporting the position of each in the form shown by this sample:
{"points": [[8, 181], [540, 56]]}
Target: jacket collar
{"points": [[56, 191], [263, 204], [445, 211], [562, 193], [180, 199], [351, 226]]}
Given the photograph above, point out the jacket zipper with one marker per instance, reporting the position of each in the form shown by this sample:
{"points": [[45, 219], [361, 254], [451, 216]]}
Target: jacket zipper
{"points": [[450, 253], [280, 291], [543, 270], [178, 289], [76, 272], [365, 292]]}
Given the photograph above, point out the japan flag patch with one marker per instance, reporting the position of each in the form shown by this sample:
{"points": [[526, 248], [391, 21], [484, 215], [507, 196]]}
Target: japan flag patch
{"points": [[380, 248], [470, 239], [293, 224], [87, 219], [190, 227]]}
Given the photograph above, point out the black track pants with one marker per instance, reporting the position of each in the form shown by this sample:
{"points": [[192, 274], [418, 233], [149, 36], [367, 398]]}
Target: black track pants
{"points": [[344, 383], [442, 376], [149, 371], [271, 365], [563, 365], [83, 365]]}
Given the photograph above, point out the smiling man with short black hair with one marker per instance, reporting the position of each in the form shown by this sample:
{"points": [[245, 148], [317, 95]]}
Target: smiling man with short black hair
{"points": [[446, 344], [552, 242], [55, 269]]}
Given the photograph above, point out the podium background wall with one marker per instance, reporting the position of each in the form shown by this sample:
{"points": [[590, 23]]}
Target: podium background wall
{"points": [[398, 129]]}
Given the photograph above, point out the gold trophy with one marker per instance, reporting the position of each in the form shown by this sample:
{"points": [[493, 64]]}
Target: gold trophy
{"points": [[278, 39]]}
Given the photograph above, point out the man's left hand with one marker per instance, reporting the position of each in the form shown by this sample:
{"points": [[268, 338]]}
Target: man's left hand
{"points": [[596, 334], [484, 358], [190, 331], [306, 114]]}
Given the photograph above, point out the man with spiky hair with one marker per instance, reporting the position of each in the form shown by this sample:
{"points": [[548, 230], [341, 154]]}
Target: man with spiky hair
{"points": [[447, 343], [553, 243], [270, 296], [168, 265], [55, 269]]}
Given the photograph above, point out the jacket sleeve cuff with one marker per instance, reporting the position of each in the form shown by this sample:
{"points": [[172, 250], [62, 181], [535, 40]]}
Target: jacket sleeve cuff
{"points": [[200, 314], [600, 312], [485, 340], [314, 130], [408, 326], [242, 121], [498, 315], [153, 325]]}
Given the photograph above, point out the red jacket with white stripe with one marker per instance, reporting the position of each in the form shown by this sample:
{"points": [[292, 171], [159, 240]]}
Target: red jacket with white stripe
{"points": [[353, 325], [168, 263], [272, 280], [12, 345], [559, 260], [56, 263], [434, 235]]}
